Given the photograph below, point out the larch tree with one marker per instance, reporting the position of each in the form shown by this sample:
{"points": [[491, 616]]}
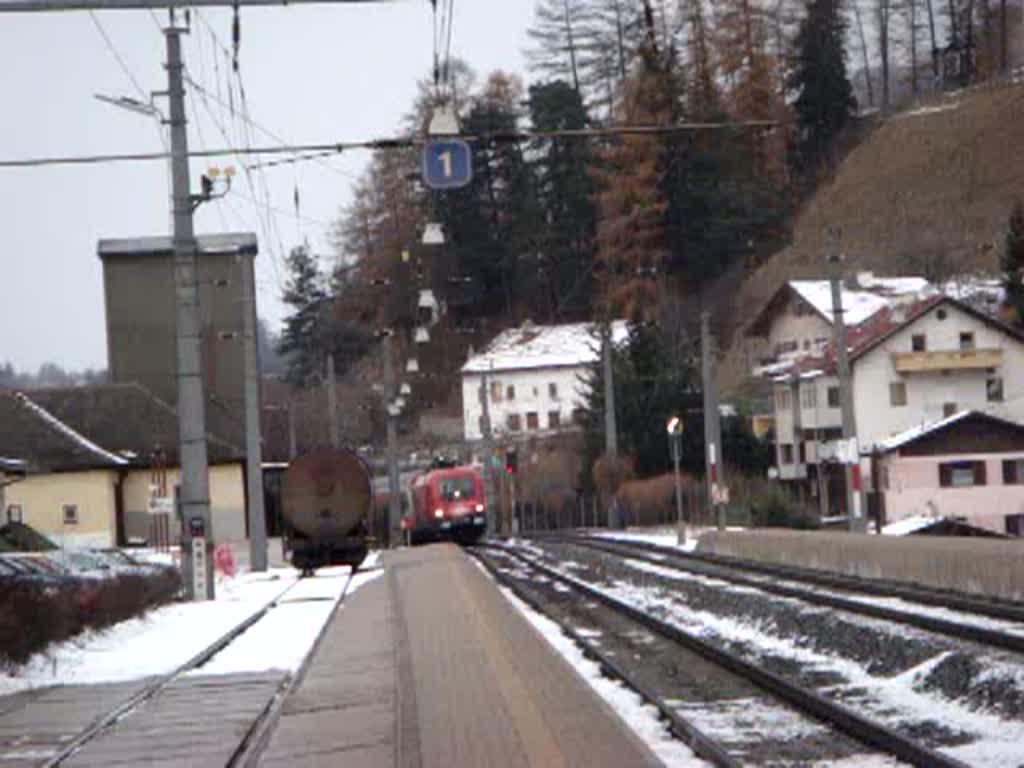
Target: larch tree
{"points": [[865, 55], [883, 20], [559, 33]]}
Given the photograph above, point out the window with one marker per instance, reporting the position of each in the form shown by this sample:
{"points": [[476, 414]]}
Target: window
{"points": [[803, 453], [579, 417], [14, 514], [1015, 525], [536, 392], [513, 422], [554, 419], [787, 453], [833, 397], [496, 391], [782, 399], [809, 395], [897, 393], [994, 390], [966, 340], [553, 390], [532, 422], [941, 314], [787, 346], [807, 344], [918, 342], [70, 513], [510, 392], [961, 474], [948, 409], [1013, 471], [454, 488]]}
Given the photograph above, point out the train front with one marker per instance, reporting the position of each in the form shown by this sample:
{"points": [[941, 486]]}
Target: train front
{"points": [[449, 503]]}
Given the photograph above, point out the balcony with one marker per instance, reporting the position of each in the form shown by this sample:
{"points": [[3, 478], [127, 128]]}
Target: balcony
{"points": [[793, 472], [947, 360]]}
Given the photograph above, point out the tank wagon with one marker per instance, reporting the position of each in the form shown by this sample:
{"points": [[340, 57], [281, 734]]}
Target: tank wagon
{"points": [[326, 499], [446, 503]]}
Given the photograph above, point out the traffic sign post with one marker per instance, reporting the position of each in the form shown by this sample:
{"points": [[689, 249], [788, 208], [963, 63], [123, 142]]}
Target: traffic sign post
{"points": [[447, 164]]}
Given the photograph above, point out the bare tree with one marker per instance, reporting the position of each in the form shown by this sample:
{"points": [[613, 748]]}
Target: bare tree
{"points": [[911, 14], [865, 59], [558, 32], [883, 15]]}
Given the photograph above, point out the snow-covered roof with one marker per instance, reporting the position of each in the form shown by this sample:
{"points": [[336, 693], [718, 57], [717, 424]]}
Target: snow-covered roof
{"points": [[909, 525], [12, 465], [908, 436], [543, 346], [227, 242], [76, 437], [873, 293]]}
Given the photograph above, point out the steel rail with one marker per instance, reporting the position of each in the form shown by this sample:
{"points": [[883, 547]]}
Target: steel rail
{"points": [[105, 721], [256, 739], [842, 718], [701, 744], [680, 562], [993, 607]]}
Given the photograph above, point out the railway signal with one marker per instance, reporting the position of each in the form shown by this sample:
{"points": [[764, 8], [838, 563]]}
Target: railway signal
{"points": [[511, 461]]}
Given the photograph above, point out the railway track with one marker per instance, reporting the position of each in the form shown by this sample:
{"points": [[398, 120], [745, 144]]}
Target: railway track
{"points": [[247, 751], [678, 689], [979, 626]]}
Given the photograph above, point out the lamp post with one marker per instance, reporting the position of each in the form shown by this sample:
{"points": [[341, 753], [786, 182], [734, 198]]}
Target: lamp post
{"points": [[674, 428]]}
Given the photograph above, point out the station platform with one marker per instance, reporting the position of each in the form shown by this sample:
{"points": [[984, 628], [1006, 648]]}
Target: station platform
{"points": [[429, 665]]}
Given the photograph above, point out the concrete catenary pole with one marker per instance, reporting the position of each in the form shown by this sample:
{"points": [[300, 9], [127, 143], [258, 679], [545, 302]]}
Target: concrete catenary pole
{"points": [[195, 483], [394, 478], [713, 458], [487, 442], [253, 442], [835, 260], [611, 432]]}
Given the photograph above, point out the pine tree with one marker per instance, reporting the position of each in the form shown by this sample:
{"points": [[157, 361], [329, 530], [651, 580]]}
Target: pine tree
{"points": [[1013, 265], [302, 340], [565, 193], [824, 100]]}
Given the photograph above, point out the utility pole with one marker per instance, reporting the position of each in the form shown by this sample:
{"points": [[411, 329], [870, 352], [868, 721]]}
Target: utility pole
{"points": [[253, 450], [394, 480], [195, 483], [490, 493], [851, 470], [332, 402], [712, 422], [611, 434]]}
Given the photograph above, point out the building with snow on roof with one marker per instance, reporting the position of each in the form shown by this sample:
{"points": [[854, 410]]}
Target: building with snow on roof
{"points": [[534, 379], [913, 363], [968, 466]]}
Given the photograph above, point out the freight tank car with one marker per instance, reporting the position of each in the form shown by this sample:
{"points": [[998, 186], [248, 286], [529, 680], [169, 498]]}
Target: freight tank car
{"points": [[326, 499], [446, 503]]}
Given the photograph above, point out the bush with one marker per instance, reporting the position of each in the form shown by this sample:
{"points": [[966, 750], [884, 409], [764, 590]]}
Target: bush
{"points": [[769, 504], [38, 611]]}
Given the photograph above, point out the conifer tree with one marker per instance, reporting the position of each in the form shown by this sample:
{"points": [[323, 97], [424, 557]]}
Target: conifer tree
{"points": [[302, 338], [1013, 265]]}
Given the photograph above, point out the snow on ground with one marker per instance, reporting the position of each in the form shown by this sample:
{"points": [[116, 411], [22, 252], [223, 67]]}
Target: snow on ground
{"points": [[642, 718], [895, 699], [665, 537], [153, 644], [284, 636]]}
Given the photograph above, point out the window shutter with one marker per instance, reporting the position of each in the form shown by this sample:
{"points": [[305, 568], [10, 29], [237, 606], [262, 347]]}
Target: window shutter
{"points": [[945, 475], [979, 473]]}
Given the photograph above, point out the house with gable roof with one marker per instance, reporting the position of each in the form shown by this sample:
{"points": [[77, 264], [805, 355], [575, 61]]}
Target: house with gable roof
{"points": [[913, 364], [96, 456], [534, 379]]}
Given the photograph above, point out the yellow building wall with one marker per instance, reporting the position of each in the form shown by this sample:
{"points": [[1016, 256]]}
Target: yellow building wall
{"points": [[227, 502], [42, 498]]}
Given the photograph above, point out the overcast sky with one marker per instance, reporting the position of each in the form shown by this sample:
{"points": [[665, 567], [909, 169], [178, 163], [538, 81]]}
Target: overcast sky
{"points": [[311, 73]]}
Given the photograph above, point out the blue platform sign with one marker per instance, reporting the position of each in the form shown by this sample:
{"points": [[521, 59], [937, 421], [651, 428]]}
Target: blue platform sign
{"points": [[447, 164]]}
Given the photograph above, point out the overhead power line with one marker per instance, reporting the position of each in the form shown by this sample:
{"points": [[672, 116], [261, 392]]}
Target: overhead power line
{"points": [[394, 143]]}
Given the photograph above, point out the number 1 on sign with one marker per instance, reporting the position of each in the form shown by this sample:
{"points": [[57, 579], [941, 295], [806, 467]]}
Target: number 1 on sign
{"points": [[446, 162]]}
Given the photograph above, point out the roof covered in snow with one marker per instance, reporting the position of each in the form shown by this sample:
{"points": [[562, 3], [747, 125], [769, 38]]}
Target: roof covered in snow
{"points": [[908, 436], [543, 346], [909, 525], [871, 295], [227, 242]]}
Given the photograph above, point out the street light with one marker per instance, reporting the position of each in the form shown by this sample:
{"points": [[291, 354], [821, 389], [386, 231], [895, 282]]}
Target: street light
{"points": [[674, 428]]}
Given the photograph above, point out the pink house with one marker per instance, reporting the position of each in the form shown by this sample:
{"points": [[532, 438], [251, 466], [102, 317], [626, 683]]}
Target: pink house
{"points": [[969, 465]]}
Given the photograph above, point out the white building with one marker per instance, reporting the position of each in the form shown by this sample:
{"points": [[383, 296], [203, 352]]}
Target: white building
{"points": [[797, 321], [534, 378], [911, 365]]}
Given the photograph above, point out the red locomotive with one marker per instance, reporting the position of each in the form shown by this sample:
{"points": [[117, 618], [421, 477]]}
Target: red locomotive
{"points": [[446, 503]]}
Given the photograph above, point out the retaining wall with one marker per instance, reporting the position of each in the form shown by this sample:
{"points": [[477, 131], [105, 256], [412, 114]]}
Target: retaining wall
{"points": [[982, 566]]}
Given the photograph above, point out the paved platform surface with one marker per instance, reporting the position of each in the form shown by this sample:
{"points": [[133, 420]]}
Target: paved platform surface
{"points": [[431, 666]]}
